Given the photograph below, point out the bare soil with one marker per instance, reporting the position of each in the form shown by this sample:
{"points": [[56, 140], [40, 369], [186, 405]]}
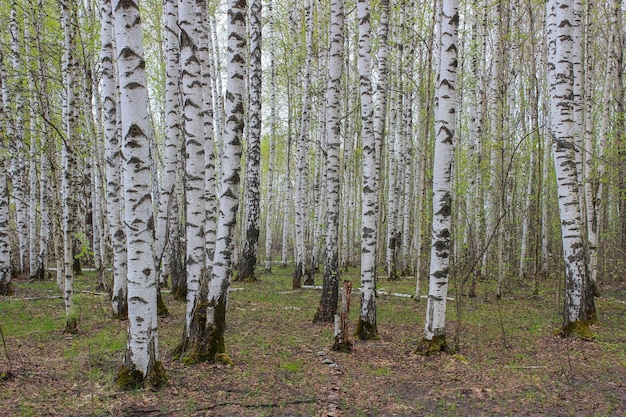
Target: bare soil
{"points": [[509, 362]]}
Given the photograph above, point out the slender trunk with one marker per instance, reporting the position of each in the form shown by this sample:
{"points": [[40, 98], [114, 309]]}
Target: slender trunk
{"points": [[5, 230], [215, 309], [269, 235], [367, 327], [330, 287], [253, 155], [563, 39], [302, 156], [141, 360], [113, 155], [435, 332]]}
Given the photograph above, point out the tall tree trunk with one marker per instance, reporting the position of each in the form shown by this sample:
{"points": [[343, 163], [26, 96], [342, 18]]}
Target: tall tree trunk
{"points": [[17, 166], [172, 145], [141, 360], [302, 156], [113, 157], [5, 230], [434, 340], [69, 161], [269, 235], [563, 37], [191, 86], [330, 287], [253, 151], [367, 327], [215, 309]]}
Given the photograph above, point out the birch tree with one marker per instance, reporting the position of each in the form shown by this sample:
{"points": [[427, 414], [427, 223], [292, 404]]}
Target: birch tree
{"points": [[213, 312], [330, 288], [253, 150], [269, 235], [302, 154], [367, 327], [5, 230], [563, 39], [434, 340], [189, 21], [141, 360], [69, 162], [113, 155], [17, 167], [171, 155]]}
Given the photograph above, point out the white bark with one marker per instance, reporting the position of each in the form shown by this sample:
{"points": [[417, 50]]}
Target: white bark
{"points": [[369, 203], [68, 190], [5, 230], [330, 291], [142, 348], [302, 165], [442, 170], [210, 188], [189, 23], [562, 38], [272, 138], [172, 142], [253, 149], [229, 175], [113, 172], [18, 167]]}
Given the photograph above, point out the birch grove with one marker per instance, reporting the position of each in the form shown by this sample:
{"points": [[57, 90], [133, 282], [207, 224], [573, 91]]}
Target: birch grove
{"points": [[315, 140]]}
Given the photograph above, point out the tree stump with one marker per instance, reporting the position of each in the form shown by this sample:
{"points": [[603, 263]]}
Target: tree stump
{"points": [[342, 343]]}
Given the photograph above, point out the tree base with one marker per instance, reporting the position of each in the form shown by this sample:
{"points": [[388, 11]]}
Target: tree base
{"points": [[433, 347], [366, 331], [129, 379], [6, 289], [324, 315], [394, 276], [162, 310], [580, 329], [206, 340], [341, 346], [71, 326]]}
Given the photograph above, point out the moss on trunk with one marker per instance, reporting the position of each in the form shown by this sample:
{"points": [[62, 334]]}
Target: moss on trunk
{"points": [[129, 378], [71, 326], [6, 288], [433, 347], [162, 310], [206, 340], [366, 331], [580, 329]]}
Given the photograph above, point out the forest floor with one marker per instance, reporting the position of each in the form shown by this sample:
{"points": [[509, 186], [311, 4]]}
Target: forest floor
{"points": [[509, 362]]}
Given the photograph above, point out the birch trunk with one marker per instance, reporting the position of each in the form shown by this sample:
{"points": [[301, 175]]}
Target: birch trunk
{"points": [[69, 161], [253, 150], [269, 235], [302, 156], [330, 287], [113, 154], [17, 167], [191, 88], [5, 229], [434, 340], [229, 183], [141, 360], [367, 327], [171, 156], [563, 37]]}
